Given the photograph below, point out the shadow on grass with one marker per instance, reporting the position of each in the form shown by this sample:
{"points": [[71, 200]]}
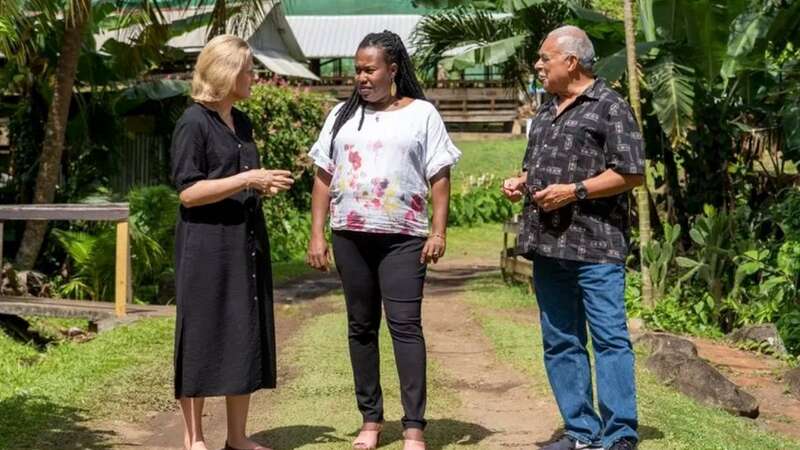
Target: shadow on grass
{"points": [[647, 433], [34, 422], [439, 433], [296, 436]]}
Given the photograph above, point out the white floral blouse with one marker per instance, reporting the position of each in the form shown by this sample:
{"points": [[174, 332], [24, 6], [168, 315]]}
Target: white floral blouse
{"points": [[381, 173]]}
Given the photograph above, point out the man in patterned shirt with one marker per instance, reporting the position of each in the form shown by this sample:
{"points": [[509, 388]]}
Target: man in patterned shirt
{"points": [[585, 152]]}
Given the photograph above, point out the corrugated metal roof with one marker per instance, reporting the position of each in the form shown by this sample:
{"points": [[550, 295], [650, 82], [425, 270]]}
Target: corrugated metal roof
{"points": [[339, 36], [272, 41], [352, 7]]}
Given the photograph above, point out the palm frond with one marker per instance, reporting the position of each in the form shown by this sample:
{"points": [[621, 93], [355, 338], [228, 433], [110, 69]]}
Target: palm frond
{"points": [[450, 29], [489, 54], [672, 86], [239, 17]]}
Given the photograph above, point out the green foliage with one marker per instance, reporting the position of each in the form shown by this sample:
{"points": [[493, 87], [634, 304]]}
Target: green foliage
{"points": [[765, 286], [289, 228], [713, 236], [286, 122], [672, 86], [91, 250], [482, 203], [488, 33], [687, 311], [152, 226], [154, 211], [612, 8], [787, 214], [789, 328], [658, 256], [93, 258]]}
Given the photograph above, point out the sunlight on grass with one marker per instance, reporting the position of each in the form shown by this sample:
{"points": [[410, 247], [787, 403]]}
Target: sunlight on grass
{"points": [[498, 157], [668, 420], [284, 271], [317, 409], [479, 242], [47, 395]]}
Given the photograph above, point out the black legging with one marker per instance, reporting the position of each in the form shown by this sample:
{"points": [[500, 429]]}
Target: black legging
{"points": [[384, 266]]}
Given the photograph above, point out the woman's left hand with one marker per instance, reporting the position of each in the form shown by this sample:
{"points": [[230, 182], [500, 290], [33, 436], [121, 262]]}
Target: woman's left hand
{"points": [[434, 249]]}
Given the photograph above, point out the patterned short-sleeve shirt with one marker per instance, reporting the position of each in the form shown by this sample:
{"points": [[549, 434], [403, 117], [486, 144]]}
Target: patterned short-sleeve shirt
{"points": [[595, 133]]}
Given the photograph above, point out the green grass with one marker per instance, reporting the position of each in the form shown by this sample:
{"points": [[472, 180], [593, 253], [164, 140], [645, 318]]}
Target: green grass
{"points": [[668, 420], [317, 409], [45, 396], [500, 158], [480, 241], [284, 271]]}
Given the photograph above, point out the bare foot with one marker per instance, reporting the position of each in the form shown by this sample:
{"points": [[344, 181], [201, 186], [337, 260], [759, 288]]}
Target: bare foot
{"points": [[413, 439], [368, 437], [243, 444]]}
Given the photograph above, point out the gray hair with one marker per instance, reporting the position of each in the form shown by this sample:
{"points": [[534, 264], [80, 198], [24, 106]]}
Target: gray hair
{"points": [[571, 40]]}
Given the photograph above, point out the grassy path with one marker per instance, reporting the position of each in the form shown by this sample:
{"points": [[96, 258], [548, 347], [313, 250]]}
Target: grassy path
{"points": [[487, 384]]}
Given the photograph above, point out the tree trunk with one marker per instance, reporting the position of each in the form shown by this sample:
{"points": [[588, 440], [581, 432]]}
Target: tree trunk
{"points": [[58, 114], [642, 197]]}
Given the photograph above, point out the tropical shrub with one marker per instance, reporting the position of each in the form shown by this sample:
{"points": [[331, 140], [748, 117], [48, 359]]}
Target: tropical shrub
{"points": [[289, 228], [480, 201], [659, 256], [286, 122]]}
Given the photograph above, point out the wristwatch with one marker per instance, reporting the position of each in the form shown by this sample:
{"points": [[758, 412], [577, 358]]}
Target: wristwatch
{"points": [[580, 191]]}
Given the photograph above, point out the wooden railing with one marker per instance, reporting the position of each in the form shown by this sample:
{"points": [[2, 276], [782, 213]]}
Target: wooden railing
{"points": [[470, 105], [458, 103], [110, 212]]}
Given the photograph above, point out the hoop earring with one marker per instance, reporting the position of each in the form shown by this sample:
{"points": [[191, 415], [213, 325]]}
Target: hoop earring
{"points": [[393, 89]]}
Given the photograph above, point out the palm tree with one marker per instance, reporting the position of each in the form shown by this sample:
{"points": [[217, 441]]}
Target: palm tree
{"points": [[504, 33], [642, 195], [77, 16]]}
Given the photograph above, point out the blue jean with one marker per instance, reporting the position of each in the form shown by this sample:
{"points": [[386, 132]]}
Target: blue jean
{"points": [[572, 294]]}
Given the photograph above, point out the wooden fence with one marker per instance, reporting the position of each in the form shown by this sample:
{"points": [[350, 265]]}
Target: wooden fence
{"points": [[512, 267]]}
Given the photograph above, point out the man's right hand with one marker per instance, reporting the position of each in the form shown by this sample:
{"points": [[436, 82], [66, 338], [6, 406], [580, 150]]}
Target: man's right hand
{"points": [[513, 188]]}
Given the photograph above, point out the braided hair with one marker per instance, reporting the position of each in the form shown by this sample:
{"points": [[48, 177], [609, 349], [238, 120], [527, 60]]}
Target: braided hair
{"points": [[406, 79]]}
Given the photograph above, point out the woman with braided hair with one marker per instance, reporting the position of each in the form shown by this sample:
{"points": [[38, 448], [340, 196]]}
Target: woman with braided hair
{"points": [[378, 157]]}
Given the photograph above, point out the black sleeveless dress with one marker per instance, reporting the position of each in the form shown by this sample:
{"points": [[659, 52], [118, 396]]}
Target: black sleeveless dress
{"points": [[225, 332]]}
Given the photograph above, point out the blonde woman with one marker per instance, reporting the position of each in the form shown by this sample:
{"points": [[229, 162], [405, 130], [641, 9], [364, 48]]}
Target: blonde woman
{"points": [[225, 334]]}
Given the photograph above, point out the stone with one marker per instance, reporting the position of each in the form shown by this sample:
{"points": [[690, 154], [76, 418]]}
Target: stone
{"points": [[761, 335], [699, 380], [792, 379], [665, 342], [74, 331]]}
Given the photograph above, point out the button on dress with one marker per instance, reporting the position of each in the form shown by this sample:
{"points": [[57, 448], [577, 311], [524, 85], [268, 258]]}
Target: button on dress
{"points": [[225, 332]]}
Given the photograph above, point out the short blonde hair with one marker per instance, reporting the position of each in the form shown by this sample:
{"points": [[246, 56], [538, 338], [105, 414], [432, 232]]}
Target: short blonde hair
{"points": [[218, 66]]}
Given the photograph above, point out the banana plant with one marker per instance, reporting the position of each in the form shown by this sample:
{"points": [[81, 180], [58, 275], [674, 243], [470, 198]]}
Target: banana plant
{"points": [[713, 239], [659, 256]]}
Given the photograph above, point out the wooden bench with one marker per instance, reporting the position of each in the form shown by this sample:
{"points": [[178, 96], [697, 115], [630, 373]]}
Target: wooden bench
{"points": [[94, 310], [514, 268]]}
